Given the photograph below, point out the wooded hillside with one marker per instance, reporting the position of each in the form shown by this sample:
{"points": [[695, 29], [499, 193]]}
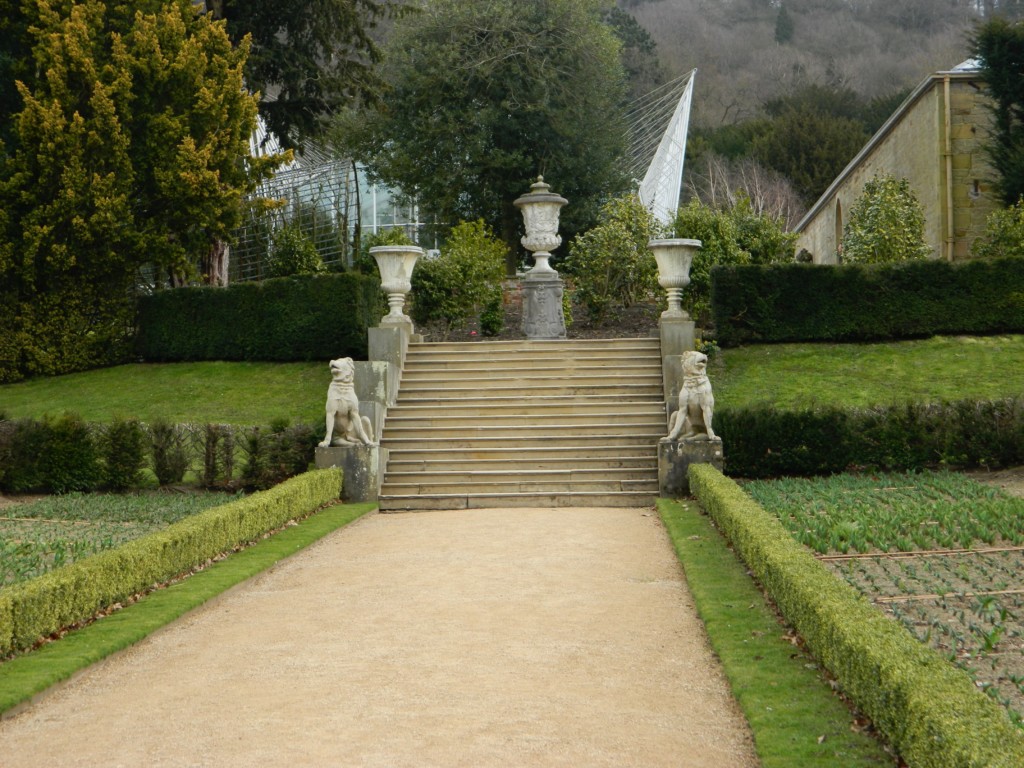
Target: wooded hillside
{"points": [[750, 51]]}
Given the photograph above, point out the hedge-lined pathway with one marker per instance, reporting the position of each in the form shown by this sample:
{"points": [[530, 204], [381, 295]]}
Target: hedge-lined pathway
{"points": [[470, 638]]}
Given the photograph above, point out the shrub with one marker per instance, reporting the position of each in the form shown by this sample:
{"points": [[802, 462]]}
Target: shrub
{"points": [[74, 593], [1004, 234], [492, 316], [463, 279], [52, 456], [124, 454], [862, 302], [611, 264], [170, 460], [292, 252], [304, 317], [364, 262], [930, 711], [886, 224], [719, 236], [764, 442], [764, 237]]}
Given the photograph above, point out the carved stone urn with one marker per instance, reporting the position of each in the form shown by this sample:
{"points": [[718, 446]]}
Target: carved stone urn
{"points": [[396, 263], [674, 258], [540, 207]]}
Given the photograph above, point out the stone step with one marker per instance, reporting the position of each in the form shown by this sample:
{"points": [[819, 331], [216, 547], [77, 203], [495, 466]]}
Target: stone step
{"points": [[530, 363], [527, 401], [470, 473], [582, 443], [543, 370], [420, 502], [596, 456], [568, 427], [518, 486], [485, 380], [494, 410], [645, 391], [573, 347], [516, 424]]}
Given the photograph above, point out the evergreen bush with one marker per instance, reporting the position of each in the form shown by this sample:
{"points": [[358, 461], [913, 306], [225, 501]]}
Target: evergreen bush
{"points": [[611, 265], [911, 299], [293, 252], [1004, 234], [764, 442], [303, 317], [124, 454], [886, 224], [170, 460], [464, 279], [53, 456]]}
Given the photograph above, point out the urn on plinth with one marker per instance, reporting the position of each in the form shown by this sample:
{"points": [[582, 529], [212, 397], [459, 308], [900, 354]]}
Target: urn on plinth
{"points": [[674, 259], [540, 209], [396, 263]]}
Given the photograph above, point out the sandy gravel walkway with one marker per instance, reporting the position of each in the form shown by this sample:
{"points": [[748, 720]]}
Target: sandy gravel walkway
{"points": [[473, 638]]}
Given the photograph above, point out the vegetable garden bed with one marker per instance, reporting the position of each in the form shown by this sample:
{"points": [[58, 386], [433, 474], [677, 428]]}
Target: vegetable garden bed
{"points": [[939, 552], [41, 535]]}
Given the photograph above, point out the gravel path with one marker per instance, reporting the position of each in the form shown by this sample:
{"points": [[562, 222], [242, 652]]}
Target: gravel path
{"points": [[512, 637]]}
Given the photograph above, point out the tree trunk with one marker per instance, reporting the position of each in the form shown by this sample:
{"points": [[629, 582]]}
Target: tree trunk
{"points": [[214, 268]]}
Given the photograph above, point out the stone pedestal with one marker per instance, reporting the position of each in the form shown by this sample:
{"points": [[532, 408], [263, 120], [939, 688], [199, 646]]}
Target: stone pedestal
{"points": [[542, 306], [677, 335], [675, 458], [388, 344], [362, 465]]}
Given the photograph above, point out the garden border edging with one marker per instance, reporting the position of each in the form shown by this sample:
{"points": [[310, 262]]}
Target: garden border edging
{"points": [[929, 710]]}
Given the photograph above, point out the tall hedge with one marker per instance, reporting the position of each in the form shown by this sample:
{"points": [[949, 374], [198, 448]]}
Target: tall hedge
{"points": [[857, 302], [764, 442], [304, 317]]}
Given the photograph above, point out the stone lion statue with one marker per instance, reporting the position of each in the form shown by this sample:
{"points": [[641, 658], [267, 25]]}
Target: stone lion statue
{"points": [[696, 403], [344, 424]]}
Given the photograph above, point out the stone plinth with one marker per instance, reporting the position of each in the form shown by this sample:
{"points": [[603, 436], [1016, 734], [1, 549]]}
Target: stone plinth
{"points": [[388, 344], [675, 458], [677, 335], [542, 306], [362, 465]]}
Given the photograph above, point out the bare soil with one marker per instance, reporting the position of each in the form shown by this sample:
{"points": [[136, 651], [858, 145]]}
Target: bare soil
{"points": [[543, 637], [1010, 480]]}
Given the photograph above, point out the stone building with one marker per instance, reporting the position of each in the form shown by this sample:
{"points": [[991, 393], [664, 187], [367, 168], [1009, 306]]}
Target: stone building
{"points": [[935, 140]]}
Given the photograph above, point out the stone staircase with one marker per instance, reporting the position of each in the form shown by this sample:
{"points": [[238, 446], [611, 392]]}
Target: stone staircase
{"points": [[526, 424]]}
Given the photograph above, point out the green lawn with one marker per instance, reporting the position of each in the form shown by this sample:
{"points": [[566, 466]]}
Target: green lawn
{"points": [[940, 368], [787, 375], [214, 392]]}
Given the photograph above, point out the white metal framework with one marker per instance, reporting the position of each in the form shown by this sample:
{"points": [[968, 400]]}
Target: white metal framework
{"points": [[659, 123]]}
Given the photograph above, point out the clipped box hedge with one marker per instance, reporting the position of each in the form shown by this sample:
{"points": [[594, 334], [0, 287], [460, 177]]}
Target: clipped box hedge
{"points": [[765, 442], [76, 592], [804, 302], [306, 317], [930, 711]]}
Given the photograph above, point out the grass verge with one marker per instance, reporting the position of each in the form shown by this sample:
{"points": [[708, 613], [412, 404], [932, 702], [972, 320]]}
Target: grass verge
{"points": [[795, 717], [26, 676]]}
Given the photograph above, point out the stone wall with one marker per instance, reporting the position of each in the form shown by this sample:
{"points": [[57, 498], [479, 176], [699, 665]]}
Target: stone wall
{"points": [[912, 145]]}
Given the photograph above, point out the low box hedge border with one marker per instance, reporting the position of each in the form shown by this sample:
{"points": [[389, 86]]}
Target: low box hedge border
{"points": [[930, 711], [61, 598]]}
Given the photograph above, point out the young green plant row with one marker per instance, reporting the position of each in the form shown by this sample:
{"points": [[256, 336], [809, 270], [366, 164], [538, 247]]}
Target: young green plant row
{"points": [[39, 536], [892, 512]]}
